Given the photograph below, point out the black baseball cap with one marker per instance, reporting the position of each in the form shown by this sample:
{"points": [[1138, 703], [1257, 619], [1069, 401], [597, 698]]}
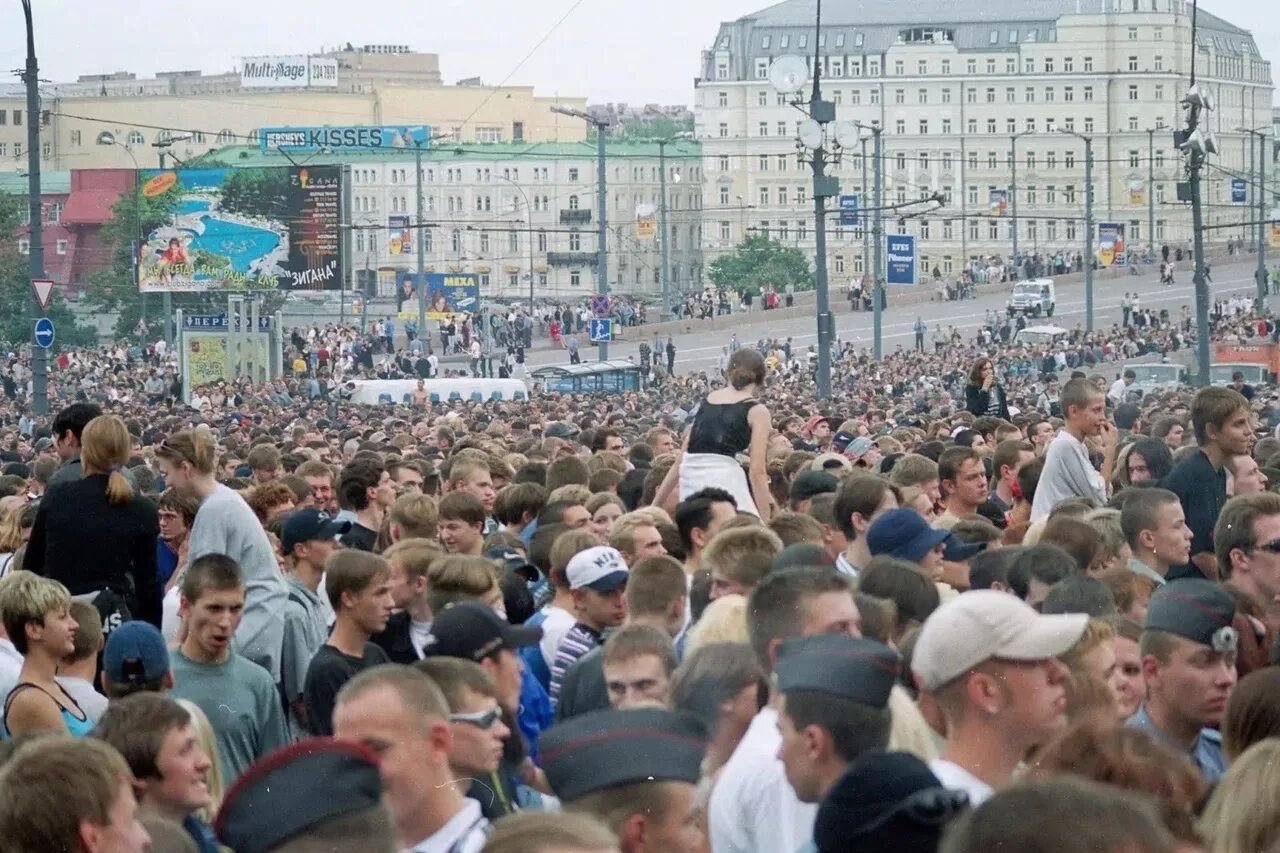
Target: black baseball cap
{"points": [[472, 631], [310, 525]]}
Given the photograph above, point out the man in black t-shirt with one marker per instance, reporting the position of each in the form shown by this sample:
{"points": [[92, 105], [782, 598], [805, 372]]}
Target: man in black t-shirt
{"points": [[359, 587]]}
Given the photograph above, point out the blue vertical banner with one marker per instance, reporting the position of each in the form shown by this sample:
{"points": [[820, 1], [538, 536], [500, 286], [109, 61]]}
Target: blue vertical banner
{"points": [[1239, 191], [849, 210], [900, 259]]}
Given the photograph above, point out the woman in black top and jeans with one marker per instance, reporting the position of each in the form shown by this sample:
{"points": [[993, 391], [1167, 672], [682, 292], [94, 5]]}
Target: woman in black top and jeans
{"points": [[984, 395], [97, 537]]}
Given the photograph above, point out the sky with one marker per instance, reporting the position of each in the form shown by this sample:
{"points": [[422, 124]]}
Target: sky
{"points": [[605, 50]]}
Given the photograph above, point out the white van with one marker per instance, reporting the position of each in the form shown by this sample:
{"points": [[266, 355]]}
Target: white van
{"points": [[373, 392], [1033, 336]]}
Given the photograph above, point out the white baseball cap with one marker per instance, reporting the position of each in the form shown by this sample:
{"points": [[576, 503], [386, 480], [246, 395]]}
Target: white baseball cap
{"points": [[601, 568], [982, 625]]}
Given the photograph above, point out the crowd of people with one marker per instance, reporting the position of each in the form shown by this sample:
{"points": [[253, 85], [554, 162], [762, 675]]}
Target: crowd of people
{"points": [[984, 583]]}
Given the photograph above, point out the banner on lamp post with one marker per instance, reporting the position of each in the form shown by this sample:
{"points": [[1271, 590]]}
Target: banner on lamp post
{"points": [[900, 259]]}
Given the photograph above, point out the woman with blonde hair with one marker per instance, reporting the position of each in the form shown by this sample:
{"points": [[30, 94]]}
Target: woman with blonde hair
{"points": [[15, 530], [209, 745], [724, 621], [95, 536], [1243, 815]]}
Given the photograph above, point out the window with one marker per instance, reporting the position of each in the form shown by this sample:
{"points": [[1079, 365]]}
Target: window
{"points": [[1030, 125], [991, 66], [922, 67], [784, 40], [971, 95], [1031, 159], [722, 71], [1159, 63], [724, 163], [722, 99], [946, 161], [898, 68], [973, 229], [1013, 36], [1159, 96], [991, 95], [541, 242], [484, 242], [75, 137], [724, 195], [994, 38], [946, 126], [971, 66], [1031, 196], [1157, 34], [764, 196], [17, 118], [992, 160], [1010, 95], [1010, 65], [136, 138], [991, 125], [946, 96], [1133, 93], [724, 130], [803, 41], [782, 128], [575, 240], [1088, 93], [764, 42], [1069, 160], [1068, 93], [1133, 63], [1088, 65], [573, 176], [1051, 160], [782, 162], [922, 96], [855, 96], [1068, 64], [899, 96], [973, 159], [1011, 126], [1133, 33], [946, 67], [1133, 123], [837, 97], [782, 196], [24, 246], [875, 96], [924, 161], [900, 126], [762, 129], [1050, 195], [61, 247], [1088, 124], [972, 126], [575, 278], [802, 196], [973, 195], [456, 241], [839, 39], [1029, 66], [1048, 65], [724, 224], [901, 160], [924, 127]]}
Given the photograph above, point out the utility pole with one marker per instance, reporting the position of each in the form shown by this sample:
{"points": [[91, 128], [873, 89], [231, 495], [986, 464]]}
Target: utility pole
{"points": [[422, 230], [1013, 194], [665, 262], [1260, 189], [1151, 191], [822, 112], [1198, 144], [31, 76], [602, 198], [866, 232], [344, 219], [879, 238], [1088, 227]]}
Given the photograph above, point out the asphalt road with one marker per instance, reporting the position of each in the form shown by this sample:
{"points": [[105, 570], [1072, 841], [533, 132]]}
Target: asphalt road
{"points": [[696, 351]]}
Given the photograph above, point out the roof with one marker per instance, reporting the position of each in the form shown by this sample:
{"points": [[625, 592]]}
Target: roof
{"points": [[89, 207], [51, 183], [586, 368], [869, 13], [451, 152]]}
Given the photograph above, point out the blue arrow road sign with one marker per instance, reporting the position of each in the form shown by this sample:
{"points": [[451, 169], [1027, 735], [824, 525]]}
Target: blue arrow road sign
{"points": [[601, 330], [44, 332]]}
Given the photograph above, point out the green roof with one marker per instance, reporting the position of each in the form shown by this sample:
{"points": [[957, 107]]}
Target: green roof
{"points": [[57, 183], [448, 152]]}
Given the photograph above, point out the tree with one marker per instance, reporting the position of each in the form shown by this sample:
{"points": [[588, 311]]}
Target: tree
{"points": [[640, 130], [760, 261], [15, 289]]}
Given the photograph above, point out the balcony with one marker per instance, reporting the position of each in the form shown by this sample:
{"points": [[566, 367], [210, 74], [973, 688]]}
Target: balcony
{"points": [[575, 216], [571, 259]]}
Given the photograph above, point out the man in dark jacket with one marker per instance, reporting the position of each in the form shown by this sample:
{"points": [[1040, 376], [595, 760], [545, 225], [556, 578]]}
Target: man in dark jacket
{"points": [[68, 426]]}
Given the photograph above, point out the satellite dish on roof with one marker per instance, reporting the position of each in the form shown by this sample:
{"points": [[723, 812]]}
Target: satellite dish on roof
{"points": [[787, 74]]}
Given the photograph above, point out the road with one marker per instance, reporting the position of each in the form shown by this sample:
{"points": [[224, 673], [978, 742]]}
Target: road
{"points": [[696, 351]]}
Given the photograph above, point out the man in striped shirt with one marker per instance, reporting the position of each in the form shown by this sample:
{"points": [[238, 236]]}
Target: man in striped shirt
{"points": [[597, 580]]}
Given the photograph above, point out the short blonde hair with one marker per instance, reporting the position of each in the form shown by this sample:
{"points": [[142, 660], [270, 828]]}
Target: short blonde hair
{"points": [[417, 516], [743, 554], [1096, 632], [724, 621], [457, 578], [623, 534], [416, 555], [26, 597], [573, 493], [1243, 813], [570, 543]]}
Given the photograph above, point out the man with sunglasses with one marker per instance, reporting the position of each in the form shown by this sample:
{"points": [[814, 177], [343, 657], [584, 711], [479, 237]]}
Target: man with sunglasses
{"points": [[1247, 545], [475, 718]]}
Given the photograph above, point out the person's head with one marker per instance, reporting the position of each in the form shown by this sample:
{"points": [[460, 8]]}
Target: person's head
{"points": [[1036, 569], [472, 475], [835, 694], [359, 588], [456, 578], [636, 536], [57, 793], [105, 445], [992, 664], [1155, 527], [860, 500], [724, 685], [1188, 650], [597, 579], [475, 717], [1221, 417], [1247, 477], [739, 558], [799, 603], [905, 535], [176, 513], [1169, 430], [982, 371], [319, 477], [68, 427], [264, 460], [519, 503], [410, 561], [1009, 457], [88, 634], [656, 593], [963, 476], [211, 600], [638, 663], [135, 660], [1148, 460], [550, 832], [1084, 407], [913, 592], [400, 714], [700, 516], [745, 369], [605, 508], [1243, 812], [414, 516], [365, 483], [1079, 593], [461, 522], [158, 740], [36, 612], [1104, 819], [1247, 544], [187, 458]]}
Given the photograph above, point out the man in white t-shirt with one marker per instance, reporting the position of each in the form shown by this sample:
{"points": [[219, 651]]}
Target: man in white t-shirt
{"points": [[1068, 472], [753, 807], [990, 662]]}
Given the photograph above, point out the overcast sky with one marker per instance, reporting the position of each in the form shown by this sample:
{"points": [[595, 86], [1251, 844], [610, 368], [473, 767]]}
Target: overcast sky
{"points": [[607, 50]]}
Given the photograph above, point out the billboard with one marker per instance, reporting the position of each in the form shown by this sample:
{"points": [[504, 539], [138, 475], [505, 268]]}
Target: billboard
{"points": [[447, 294], [849, 210], [1239, 191], [243, 229], [1274, 238], [1111, 248], [900, 256], [400, 238], [997, 201], [360, 137], [646, 225], [1137, 193], [288, 72]]}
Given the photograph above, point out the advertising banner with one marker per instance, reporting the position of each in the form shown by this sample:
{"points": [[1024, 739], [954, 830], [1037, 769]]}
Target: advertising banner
{"points": [[1111, 248], [400, 240], [1239, 191], [1137, 193], [447, 294], [338, 140], [1275, 229], [849, 210], [646, 225], [900, 255], [288, 72], [998, 201], [243, 229]]}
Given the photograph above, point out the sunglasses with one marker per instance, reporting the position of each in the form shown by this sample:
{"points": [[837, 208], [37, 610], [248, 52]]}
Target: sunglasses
{"points": [[479, 719]]}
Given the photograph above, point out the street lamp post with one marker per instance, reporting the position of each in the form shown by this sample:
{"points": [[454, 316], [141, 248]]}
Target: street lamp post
{"points": [[1151, 191], [1088, 227], [528, 213], [167, 297], [109, 138], [1260, 274], [602, 198], [1013, 193], [422, 256], [31, 77]]}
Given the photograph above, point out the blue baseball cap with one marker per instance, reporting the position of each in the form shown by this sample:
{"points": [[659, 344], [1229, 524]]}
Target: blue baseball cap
{"points": [[135, 654], [310, 525], [903, 533]]}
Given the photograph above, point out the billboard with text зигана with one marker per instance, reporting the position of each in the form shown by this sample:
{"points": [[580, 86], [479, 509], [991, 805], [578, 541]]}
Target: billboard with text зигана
{"points": [[243, 229]]}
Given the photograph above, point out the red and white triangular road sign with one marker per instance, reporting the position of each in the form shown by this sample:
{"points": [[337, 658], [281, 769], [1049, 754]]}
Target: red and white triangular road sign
{"points": [[43, 288]]}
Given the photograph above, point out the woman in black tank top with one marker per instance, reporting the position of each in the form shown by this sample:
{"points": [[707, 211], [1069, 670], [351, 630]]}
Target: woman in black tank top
{"points": [[730, 421]]}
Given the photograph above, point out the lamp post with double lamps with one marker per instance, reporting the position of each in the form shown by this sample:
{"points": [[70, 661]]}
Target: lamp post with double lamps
{"points": [[602, 198]]}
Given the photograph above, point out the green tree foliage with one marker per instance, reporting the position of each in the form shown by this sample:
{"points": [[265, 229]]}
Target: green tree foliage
{"points": [[760, 261], [658, 127], [15, 289], [257, 192]]}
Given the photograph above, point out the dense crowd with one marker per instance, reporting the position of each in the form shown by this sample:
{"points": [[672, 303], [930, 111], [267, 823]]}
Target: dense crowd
{"points": [[988, 597]]}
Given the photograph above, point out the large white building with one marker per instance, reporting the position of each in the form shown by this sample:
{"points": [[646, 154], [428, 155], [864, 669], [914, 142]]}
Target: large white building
{"points": [[952, 84], [515, 214]]}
